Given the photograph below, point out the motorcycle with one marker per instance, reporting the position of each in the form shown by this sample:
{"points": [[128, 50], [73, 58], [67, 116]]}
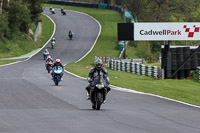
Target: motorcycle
{"points": [[52, 11], [57, 74], [45, 55], [63, 12], [70, 36], [53, 43], [98, 92], [48, 66]]}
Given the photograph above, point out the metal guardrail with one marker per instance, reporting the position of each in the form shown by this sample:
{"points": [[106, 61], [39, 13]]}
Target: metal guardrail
{"points": [[36, 31]]}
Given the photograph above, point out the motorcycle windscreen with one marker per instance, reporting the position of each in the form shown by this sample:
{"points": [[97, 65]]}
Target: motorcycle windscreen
{"points": [[57, 69], [99, 79]]}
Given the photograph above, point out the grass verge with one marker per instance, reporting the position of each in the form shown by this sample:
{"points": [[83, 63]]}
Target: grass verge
{"points": [[3, 62], [183, 90]]}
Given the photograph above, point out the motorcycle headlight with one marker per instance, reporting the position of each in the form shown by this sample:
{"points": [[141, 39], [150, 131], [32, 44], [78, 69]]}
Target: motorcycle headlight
{"points": [[99, 86]]}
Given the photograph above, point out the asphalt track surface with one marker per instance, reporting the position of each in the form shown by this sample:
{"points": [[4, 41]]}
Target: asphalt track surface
{"points": [[31, 103]]}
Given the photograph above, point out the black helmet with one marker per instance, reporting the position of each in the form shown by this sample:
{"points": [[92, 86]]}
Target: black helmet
{"points": [[98, 64]]}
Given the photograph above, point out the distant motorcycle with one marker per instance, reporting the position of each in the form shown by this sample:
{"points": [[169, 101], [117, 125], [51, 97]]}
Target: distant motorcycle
{"points": [[98, 91], [63, 12], [53, 43], [52, 10], [57, 74], [45, 54], [70, 36], [49, 66]]}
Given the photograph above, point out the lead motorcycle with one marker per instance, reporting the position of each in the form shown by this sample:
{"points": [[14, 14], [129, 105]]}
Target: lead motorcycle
{"points": [[98, 91], [57, 74]]}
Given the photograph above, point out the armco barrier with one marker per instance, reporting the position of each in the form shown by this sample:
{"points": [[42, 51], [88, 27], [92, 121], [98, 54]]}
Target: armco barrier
{"points": [[36, 31], [136, 68]]}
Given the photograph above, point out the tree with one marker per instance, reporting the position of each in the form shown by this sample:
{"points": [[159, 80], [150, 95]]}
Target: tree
{"points": [[136, 7], [161, 10], [196, 15], [4, 30], [19, 16], [35, 7]]}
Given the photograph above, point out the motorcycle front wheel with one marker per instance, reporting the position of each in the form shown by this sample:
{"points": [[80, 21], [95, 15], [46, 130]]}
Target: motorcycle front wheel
{"points": [[99, 100]]}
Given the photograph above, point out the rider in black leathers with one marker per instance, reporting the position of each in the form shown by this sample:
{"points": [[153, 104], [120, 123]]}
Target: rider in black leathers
{"points": [[70, 34], [98, 69]]}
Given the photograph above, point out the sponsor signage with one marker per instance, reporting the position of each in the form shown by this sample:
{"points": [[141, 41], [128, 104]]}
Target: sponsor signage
{"points": [[166, 31]]}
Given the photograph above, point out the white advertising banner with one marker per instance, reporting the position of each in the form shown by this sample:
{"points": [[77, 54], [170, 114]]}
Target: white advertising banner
{"points": [[166, 31]]}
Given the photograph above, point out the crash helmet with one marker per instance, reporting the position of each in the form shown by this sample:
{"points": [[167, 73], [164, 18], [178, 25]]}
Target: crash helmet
{"points": [[49, 56], [57, 61], [98, 64], [46, 50], [53, 39]]}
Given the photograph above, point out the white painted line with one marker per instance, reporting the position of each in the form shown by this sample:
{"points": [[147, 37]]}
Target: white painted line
{"points": [[38, 50]]}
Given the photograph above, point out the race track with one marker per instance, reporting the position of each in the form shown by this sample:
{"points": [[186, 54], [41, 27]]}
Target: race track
{"points": [[31, 103]]}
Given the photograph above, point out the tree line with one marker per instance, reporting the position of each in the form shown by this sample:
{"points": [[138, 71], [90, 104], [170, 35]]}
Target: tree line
{"points": [[17, 16], [161, 10]]}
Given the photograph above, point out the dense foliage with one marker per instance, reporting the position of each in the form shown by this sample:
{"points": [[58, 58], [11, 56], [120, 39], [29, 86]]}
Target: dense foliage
{"points": [[161, 10], [18, 16]]}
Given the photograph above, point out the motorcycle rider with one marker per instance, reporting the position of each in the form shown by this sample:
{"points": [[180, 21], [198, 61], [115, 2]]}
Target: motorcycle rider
{"points": [[70, 33], [62, 9], [50, 8], [98, 69], [53, 39], [49, 59], [57, 63], [45, 54]]}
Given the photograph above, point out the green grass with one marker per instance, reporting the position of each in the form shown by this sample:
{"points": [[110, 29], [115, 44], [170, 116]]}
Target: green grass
{"points": [[47, 30], [183, 90], [153, 64], [23, 44], [33, 27], [3, 62]]}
